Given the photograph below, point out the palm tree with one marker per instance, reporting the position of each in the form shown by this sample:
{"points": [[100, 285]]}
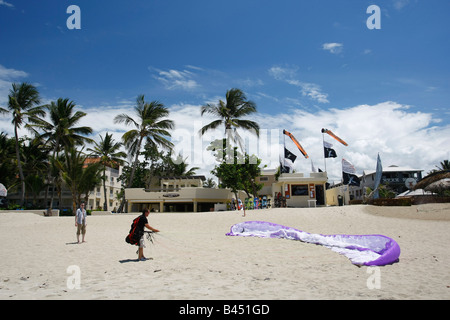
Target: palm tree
{"points": [[7, 161], [229, 114], [61, 131], [108, 152], [71, 168], [444, 165], [209, 183], [150, 125], [22, 101], [78, 177]]}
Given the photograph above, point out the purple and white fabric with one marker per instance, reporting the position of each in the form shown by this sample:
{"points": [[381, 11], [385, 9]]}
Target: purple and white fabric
{"points": [[367, 250]]}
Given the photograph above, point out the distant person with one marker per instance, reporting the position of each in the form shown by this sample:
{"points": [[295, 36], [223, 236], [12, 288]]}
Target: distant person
{"points": [[80, 222], [136, 235]]}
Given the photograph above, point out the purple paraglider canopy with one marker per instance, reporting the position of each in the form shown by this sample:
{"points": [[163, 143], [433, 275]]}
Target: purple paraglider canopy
{"points": [[368, 250]]}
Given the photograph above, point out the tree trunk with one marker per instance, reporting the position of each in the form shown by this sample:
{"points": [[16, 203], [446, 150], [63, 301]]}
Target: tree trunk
{"points": [[19, 165], [133, 170], [105, 205]]}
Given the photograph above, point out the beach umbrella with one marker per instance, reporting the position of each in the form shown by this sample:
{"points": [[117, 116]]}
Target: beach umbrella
{"points": [[440, 185], [3, 191], [434, 177]]}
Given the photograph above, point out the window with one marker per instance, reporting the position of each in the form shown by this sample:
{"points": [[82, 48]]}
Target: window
{"points": [[299, 189]]}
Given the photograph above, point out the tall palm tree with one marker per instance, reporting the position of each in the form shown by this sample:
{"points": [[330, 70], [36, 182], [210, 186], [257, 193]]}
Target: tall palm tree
{"points": [[150, 125], [77, 176], [7, 160], [61, 131], [230, 113], [22, 101], [108, 152]]}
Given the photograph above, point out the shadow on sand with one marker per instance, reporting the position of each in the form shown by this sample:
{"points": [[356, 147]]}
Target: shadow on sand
{"points": [[128, 260]]}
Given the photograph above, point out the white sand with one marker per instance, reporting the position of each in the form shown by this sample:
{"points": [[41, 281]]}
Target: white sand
{"points": [[193, 259]]}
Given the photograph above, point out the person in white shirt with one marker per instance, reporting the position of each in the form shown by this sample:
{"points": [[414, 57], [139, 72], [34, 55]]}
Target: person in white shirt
{"points": [[80, 222]]}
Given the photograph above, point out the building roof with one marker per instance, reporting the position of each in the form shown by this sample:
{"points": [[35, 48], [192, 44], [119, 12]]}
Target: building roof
{"points": [[393, 168], [203, 178], [90, 160]]}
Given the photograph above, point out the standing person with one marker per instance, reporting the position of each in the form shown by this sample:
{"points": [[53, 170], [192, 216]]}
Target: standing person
{"points": [[136, 235], [80, 222]]}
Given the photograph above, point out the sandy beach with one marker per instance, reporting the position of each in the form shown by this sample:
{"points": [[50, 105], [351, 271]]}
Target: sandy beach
{"points": [[192, 258]]}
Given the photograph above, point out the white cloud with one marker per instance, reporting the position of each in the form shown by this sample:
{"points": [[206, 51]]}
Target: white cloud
{"points": [[250, 82], [11, 74], [280, 73], [400, 4], [4, 3], [310, 90], [401, 136], [176, 79], [7, 77], [333, 47], [313, 91]]}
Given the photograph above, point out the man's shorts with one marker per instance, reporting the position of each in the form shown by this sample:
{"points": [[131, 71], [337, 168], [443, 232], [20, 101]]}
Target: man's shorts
{"points": [[142, 242], [81, 228]]}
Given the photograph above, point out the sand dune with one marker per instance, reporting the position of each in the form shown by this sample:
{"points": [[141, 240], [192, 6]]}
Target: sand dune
{"points": [[193, 259]]}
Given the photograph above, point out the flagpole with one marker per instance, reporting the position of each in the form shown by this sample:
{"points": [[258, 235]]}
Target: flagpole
{"points": [[323, 147], [284, 149]]}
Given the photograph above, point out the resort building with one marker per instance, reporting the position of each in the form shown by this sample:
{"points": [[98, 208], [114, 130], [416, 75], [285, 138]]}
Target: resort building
{"points": [[267, 178], [179, 194], [63, 198], [394, 177], [301, 191], [186, 194], [113, 187]]}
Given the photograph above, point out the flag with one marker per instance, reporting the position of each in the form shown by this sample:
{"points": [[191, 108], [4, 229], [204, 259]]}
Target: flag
{"points": [[283, 168], [349, 174], [378, 175], [328, 151], [289, 155], [287, 165]]}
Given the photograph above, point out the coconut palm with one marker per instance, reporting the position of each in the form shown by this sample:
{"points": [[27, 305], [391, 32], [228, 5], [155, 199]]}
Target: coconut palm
{"points": [[61, 131], [444, 165], [79, 178], [230, 114], [108, 152], [151, 125], [22, 101]]}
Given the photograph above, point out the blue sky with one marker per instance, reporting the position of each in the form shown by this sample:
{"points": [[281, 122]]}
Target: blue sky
{"points": [[306, 64]]}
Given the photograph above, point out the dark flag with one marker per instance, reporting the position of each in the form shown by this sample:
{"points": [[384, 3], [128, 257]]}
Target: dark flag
{"points": [[328, 151], [287, 162], [349, 174], [284, 169], [289, 155]]}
